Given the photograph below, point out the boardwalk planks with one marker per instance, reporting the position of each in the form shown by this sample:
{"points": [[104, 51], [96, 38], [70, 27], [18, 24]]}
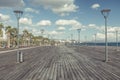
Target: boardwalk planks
{"points": [[61, 63]]}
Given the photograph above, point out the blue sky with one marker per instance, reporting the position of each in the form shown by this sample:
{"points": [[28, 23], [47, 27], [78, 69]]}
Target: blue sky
{"points": [[61, 18]]}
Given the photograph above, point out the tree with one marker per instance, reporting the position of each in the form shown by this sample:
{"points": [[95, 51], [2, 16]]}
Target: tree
{"points": [[27, 37], [1, 32], [30, 37], [1, 27], [14, 36], [11, 36]]}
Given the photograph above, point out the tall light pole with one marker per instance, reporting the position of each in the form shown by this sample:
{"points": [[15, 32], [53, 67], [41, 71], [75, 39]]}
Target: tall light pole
{"points": [[86, 40], [18, 15], [42, 31], [95, 38], [78, 35], [117, 40], [105, 13], [71, 38]]}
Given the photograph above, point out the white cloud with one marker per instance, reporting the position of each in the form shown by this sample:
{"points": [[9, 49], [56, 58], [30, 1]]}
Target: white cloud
{"points": [[26, 21], [31, 10], [72, 23], [100, 36], [110, 36], [61, 28], [54, 33], [63, 22], [109, 29], [44, 23], [95, 6], [65, 9], [62, 7], [91, 25], [4, 17], [113, 29], [11, 3]]}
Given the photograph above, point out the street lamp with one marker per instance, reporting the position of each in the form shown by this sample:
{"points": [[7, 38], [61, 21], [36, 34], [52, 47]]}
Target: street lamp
{"points": [[78, 35], [95, 38], [18, 15], [105, 13], [117, 40], [42, 31], [71, 38]]}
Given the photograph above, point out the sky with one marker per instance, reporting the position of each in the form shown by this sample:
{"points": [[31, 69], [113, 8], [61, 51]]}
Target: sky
{"points": [[60, 19]]}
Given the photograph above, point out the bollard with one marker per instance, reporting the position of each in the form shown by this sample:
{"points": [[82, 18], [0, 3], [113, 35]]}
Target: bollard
{"points": [[19, 57]]}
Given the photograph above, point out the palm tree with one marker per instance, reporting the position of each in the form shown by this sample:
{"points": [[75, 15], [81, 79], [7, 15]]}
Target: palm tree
{"points": [[11, 36], [8, 32], [30, 38], [1, 27], [1, 33], [26, 37], [46, 41], [14, 36], [37, 40]]}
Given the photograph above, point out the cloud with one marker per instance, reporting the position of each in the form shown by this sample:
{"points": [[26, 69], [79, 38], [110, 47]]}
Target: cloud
{"points": [[31, 10], [4, 17], [61, 28], [113, 29], [65, 9], [109, 29], [95, 6], [44, 23], [26, 21], [63, 22], [11, 3], [91, 25], [100, 36], [61, 7], [54, 32], [56, 35], [111, 36], [72, 23]]}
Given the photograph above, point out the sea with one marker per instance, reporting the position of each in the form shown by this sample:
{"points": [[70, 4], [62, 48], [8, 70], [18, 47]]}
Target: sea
{"points": [[98, 44]]}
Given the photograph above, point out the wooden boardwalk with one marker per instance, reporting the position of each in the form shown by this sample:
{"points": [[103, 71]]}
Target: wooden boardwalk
{"points": [[61, 63]]}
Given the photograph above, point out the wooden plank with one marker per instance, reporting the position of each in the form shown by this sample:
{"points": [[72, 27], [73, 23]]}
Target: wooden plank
{"points": [[62, 63]]}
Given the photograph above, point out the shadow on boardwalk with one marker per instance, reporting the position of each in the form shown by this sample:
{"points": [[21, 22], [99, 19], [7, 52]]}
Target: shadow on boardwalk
{"points": [[61, 63]]}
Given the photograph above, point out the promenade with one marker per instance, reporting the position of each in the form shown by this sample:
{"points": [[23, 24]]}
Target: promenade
{"points": [[61, 63]]}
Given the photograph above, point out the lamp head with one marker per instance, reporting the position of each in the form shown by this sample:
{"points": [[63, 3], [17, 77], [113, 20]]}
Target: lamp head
{"points": [[105, 12], [18, 13], [78, 30]]}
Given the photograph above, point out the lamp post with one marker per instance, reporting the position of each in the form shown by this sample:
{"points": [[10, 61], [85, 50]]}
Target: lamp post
{"points": [[105, 13], [78, 35], [18, 15], [42, 31], [117, 40], [86, 41], [95, 39], [72, 39]]}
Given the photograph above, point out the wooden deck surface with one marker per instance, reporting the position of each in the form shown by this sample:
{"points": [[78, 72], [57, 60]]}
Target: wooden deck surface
{"points": [[61, 63]]}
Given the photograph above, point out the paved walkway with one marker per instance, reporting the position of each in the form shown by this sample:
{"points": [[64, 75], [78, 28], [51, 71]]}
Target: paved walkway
{"points": [[59, 63]]}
